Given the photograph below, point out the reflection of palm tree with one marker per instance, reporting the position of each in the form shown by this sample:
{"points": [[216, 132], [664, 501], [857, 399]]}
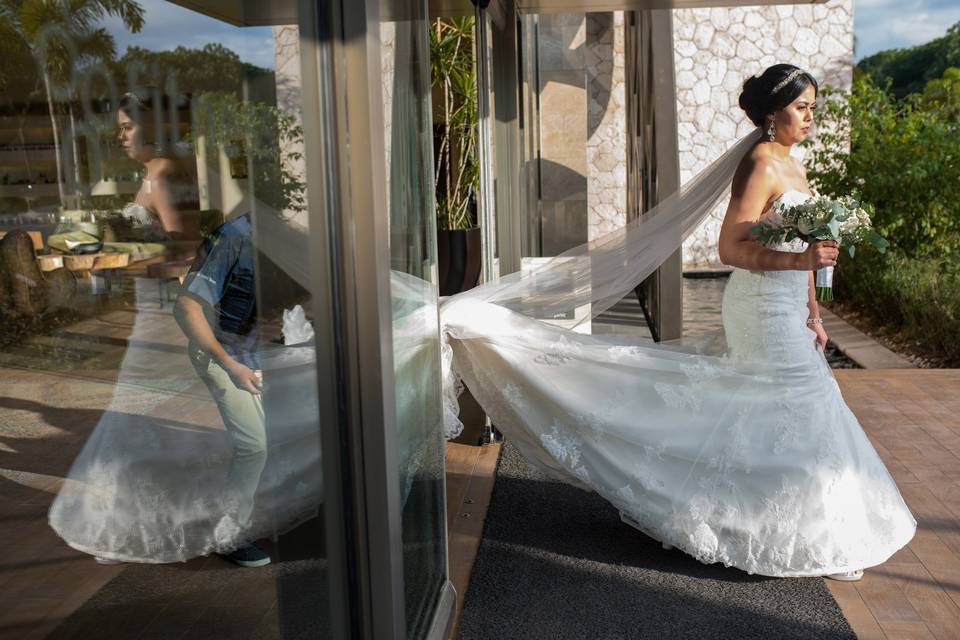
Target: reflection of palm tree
{"points": [[63, 36]]}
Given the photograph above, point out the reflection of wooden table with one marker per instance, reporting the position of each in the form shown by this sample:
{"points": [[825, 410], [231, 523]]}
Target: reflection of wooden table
{"points": [[98, 266], [84, 263]]}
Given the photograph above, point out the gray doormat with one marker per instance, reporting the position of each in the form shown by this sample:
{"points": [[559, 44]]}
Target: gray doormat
{"points": [[556, 563]]}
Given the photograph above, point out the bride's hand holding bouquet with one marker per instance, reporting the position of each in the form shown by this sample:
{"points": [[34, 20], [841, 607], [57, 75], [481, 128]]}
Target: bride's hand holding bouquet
{"points": [[824, 223]]}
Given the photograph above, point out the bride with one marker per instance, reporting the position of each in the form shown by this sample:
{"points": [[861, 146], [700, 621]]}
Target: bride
{"points": [[752, 459]]}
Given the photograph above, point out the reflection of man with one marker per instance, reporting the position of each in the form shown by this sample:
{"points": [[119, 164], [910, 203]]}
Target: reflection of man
{"points": [[217, 312]]}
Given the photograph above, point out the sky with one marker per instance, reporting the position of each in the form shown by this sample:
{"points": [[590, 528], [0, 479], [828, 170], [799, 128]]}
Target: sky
{"points": [[167, 26], [891, 24], [878, 25]]}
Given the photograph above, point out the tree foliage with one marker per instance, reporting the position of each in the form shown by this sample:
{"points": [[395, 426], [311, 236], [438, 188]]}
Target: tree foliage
{"points": [[903, 156], [909, 69], [212, 68], [267, 136], [943, 94]]}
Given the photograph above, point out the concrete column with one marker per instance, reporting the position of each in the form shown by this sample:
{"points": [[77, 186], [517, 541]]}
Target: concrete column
{"points": [[669, 289]]}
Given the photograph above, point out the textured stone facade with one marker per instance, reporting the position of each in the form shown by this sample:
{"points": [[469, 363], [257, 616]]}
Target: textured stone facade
{"points": [[716, 50]]}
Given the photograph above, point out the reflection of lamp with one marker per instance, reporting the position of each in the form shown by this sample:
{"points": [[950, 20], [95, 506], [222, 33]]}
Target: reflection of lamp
{"points": [[105, 188], [112, 188]]}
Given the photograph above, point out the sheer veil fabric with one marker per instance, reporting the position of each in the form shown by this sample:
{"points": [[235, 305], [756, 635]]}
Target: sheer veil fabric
{"points": [[751, 458]]}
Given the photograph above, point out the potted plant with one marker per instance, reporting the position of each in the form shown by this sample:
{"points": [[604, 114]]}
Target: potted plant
{"points": [[456, 169]]}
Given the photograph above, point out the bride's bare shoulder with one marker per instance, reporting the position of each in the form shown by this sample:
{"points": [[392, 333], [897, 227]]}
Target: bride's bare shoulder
{"points": [[755, 171]]}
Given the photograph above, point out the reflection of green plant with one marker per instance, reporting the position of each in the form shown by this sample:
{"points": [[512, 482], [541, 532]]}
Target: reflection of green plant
{"points": [[269, 137], [456, 170], [212, 67]]}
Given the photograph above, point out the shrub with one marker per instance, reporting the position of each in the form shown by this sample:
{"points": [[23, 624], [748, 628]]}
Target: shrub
{"points": [[903, 158], [917, 298]]}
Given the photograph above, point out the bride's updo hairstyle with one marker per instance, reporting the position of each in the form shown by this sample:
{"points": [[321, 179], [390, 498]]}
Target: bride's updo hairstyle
{"points": [[773, 90]]}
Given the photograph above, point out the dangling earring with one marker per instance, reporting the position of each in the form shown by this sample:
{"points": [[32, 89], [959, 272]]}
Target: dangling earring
{"points": [[771, 132]]}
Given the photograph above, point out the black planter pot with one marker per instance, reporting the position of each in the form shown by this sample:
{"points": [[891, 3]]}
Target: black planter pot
{"points": [[458, 259]]}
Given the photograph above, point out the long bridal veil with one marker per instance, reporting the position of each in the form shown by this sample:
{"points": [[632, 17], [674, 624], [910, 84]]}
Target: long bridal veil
{"points": [[588, 279]]}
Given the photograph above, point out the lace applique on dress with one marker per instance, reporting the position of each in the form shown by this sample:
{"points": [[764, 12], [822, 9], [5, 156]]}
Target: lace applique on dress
{"points": [[559, 353], [789, 426], [511, 393], [561, 445], [700, 370], [619, 354], [678, 395], [565, 449]]}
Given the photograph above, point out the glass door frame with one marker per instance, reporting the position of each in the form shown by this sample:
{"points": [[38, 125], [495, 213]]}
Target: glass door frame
{"points": [[345, 158]]}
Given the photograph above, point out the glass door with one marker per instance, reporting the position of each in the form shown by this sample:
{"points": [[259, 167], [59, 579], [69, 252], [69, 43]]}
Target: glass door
{"points": [[167, 362], [408, 142]]}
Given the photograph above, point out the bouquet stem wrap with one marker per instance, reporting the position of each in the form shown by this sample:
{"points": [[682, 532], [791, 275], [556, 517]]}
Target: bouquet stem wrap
{"points": [[824, 283]]}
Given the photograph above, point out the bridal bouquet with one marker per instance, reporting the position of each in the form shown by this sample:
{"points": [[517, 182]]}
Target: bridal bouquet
{"points": [[845, 220]]}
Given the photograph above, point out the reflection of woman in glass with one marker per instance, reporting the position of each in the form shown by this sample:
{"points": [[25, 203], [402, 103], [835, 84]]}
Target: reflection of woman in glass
{"points": [[153, 481], [167, 199]]}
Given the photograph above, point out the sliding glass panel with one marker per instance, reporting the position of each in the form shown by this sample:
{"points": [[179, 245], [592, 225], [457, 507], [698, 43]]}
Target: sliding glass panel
{"points": [[409, 143], [160, 448]]}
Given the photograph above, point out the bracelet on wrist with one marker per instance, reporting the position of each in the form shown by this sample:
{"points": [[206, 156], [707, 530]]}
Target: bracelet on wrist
{"points": [[814, 320]]}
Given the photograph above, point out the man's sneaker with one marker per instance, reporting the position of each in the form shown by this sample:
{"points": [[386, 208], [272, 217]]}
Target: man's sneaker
{"points": [[249, 556]]}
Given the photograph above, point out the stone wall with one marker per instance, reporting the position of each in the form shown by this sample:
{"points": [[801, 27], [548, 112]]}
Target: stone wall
{"points": [[715, 51]]}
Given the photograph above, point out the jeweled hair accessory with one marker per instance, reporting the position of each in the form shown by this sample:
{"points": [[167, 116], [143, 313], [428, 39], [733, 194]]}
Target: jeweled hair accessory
{"points": [[790, 77]]}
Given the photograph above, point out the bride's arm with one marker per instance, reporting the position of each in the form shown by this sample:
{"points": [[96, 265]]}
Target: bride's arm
{"points": [[754, 184]]}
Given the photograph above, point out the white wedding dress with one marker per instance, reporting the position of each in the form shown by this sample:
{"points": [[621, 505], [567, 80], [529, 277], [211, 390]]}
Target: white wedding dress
{"points": [[752, 459]]}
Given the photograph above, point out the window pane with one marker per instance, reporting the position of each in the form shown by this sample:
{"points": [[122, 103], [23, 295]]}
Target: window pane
{"points": [[416, 345], [160, 451]]}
